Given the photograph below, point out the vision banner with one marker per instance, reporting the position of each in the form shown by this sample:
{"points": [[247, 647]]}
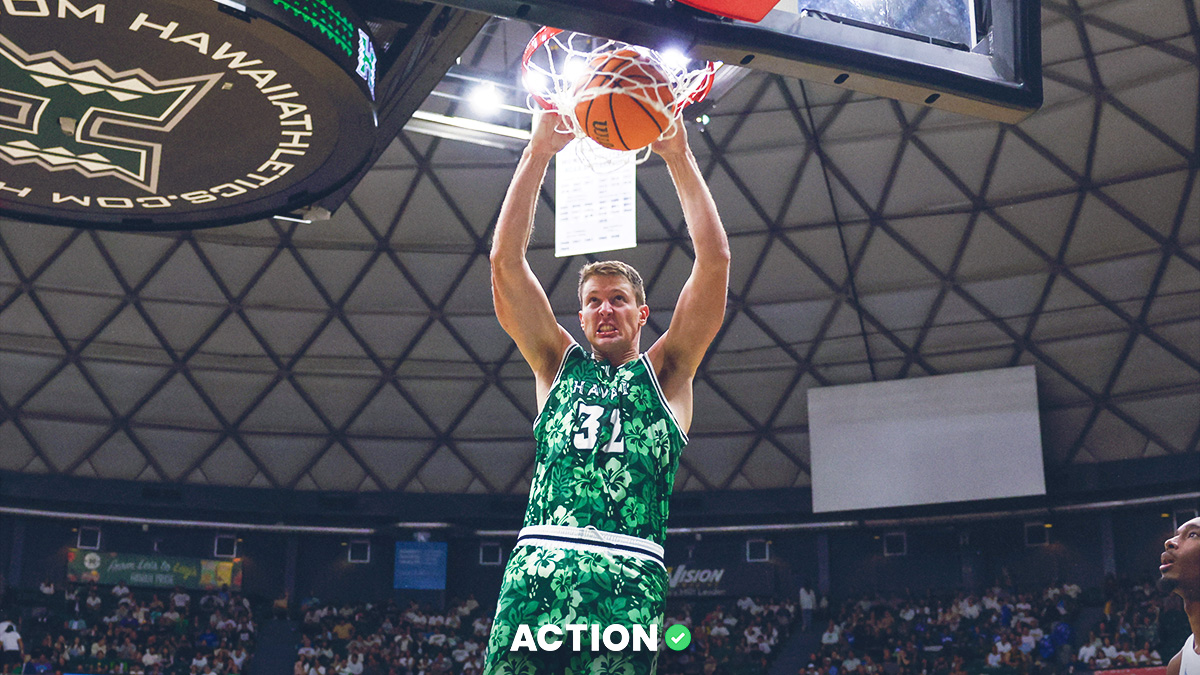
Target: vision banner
{"points": [[692, 579], [153, 571]]}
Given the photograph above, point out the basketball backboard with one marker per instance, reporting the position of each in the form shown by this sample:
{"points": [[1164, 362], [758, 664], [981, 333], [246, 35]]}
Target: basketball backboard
{"points": [[976, 57]]}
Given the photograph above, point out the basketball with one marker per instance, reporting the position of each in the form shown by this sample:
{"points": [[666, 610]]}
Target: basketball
{"points": [[624, 101]]}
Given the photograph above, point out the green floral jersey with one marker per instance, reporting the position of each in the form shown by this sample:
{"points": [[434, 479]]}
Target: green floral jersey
{"points": [[607, 449]]}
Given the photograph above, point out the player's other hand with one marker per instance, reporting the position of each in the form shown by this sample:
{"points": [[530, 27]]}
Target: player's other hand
{"points": [[675, 143], [549, 133]]}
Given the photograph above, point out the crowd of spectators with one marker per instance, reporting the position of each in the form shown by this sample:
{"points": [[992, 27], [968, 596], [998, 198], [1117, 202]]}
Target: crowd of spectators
{"points": [[86, 628], [1001, 632], [386, 639], [998, 631], [1129, 634], [738, 637]]}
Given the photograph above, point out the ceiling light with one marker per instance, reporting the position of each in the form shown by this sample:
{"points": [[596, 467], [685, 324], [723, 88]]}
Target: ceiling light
{"points": [[674, 58], [536, 82], [468, 130], [574, 69], [485, 100]]}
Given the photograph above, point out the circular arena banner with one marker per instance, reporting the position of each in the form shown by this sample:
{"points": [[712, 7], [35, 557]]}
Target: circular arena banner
{"points": [[168, 114]]}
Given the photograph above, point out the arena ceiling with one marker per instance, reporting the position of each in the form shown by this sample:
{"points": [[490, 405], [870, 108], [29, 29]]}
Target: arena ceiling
{"points": [[871, 241]]}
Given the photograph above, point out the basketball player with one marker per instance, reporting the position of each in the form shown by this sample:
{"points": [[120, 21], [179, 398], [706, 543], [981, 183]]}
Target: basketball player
{"points": [[1181, 575], [612, 423]]}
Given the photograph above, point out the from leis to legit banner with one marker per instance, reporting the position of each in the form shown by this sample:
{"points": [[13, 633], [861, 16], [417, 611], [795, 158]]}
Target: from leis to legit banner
{"points": [[153, 571]]}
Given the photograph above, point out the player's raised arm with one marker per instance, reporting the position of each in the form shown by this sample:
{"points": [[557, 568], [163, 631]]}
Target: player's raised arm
{"points": [[521, 303], [701, 306]]}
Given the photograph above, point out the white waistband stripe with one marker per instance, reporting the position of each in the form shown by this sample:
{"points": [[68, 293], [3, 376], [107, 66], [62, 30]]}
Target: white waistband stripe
{"points": [[590, 539]]}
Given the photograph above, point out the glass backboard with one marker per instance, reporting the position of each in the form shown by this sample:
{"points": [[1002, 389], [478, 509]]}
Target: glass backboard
{"points": [[975, 57]]}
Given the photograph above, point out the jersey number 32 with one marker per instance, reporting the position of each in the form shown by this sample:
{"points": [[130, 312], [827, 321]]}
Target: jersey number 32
{"points": [[591, 417]]}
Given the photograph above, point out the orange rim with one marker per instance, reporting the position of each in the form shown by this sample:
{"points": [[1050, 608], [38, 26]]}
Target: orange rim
{"points": [[545, 33]]}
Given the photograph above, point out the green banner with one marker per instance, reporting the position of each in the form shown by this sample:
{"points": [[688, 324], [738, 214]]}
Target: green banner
{"points": [[154, 571]]}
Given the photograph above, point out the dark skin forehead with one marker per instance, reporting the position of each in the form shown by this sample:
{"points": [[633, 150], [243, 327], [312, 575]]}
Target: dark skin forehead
{"points": [[1189, 526]]}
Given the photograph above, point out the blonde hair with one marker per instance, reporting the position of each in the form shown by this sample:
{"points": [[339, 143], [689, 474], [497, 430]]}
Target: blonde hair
{"points": [[613, 268]]}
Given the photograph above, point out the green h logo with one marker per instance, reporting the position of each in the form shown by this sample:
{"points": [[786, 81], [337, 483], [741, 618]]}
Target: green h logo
{"points": [[88, 117]]}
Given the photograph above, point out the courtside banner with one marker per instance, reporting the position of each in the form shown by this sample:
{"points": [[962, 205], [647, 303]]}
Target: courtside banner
{"points": [[153, 571], [1157, 670]]}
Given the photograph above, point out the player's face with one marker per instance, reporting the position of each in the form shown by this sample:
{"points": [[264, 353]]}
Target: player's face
{"points": [[1181, 559], [610, 316]]}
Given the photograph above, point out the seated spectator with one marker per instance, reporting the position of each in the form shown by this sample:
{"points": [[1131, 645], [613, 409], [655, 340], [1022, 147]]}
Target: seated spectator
{"points": [[77, 650], [1125, 656], [208, 639], [208, 602], [93, 602], [851, 662], [180, 600], [151, 658], [240, 656], [39, 664], [99, 650], [1108, 650], [832, 635], [245, 630], [1148, 656], [1087, 652], [76, 624], [343, 630]]}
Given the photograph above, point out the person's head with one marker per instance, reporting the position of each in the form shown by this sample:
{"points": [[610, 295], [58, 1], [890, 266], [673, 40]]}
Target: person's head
{"points": [[1180, 559], [612, 301], [613, 268]]}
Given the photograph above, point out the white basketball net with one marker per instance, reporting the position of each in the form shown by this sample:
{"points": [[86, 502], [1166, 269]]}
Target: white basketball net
{"points": [[557, 63]]}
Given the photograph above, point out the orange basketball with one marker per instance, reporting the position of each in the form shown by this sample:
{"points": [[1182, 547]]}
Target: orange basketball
{"points": [[617, 101]]}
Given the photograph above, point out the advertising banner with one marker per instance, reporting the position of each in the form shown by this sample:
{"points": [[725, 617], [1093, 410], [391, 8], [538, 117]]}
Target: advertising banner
{"points": [[152, 571], [420, 565], [690, 581], [698, 580]]}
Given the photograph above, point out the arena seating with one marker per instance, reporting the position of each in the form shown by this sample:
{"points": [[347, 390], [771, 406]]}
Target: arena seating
{"points": [[376, 639], [113, 629], [372, 639], [1058, 629], [740, 637], [1001, 632]]}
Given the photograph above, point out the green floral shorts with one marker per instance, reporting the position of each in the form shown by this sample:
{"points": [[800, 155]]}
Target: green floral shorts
{"points": [[563, 586]]}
